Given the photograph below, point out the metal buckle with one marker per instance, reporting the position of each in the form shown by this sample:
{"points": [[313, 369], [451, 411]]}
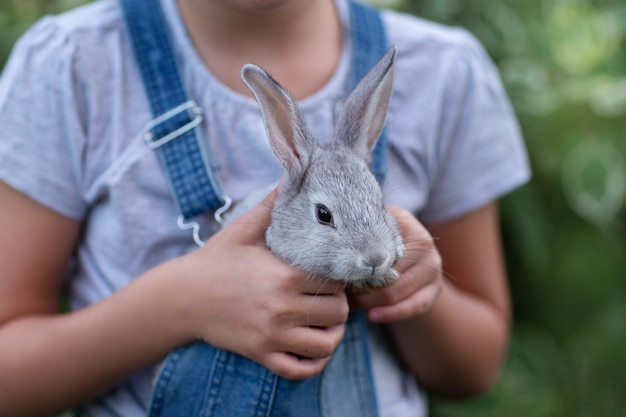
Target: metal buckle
{"points": [[154, 143], [195, 227]]}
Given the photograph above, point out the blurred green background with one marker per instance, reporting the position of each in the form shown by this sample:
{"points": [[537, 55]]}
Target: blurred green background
{"points": [[563, 63]]}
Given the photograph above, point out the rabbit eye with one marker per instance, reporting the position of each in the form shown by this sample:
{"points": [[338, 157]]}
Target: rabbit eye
{"points": [[324, 216]]}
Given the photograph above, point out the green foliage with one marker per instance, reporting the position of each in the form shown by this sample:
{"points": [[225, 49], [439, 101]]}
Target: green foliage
{"points": [[563, 63], [18, 15]]}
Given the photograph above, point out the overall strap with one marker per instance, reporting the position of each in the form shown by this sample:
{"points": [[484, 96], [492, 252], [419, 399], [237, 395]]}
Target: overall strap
{"points": [[176, 130]]}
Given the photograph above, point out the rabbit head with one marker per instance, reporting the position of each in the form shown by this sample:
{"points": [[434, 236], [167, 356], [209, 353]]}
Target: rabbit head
{"points": [[329, 218]]}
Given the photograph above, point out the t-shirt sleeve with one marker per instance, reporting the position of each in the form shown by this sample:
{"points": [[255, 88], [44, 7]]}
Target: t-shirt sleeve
{"points": [[480, 154], [41, 136]]}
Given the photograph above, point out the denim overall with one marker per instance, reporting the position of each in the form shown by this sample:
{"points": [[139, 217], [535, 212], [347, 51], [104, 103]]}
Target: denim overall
{"points": [[198, 379]]}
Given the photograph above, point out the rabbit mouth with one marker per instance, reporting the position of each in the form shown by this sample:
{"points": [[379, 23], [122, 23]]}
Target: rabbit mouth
{"points": [[367, 275], [373, 282]]}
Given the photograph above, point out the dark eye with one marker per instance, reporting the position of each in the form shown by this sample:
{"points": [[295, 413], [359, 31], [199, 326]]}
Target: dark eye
{"points": [[324, 215]]}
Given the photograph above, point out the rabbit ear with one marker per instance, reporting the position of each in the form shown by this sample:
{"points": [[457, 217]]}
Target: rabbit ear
{"points": [[362, 118], [291, 141]]}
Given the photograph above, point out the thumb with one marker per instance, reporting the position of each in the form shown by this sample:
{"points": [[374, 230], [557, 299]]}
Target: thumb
{"points": [[253, 224]]}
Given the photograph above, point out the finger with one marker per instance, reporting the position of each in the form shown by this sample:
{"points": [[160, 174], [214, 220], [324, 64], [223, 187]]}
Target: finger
{"points": [[322, 311], [252, 225], [307, 352], [401, 289], [321, 286], [292, 367], [312, 342], [418, 276], [417, 240], [418, 303], [404, 218]]}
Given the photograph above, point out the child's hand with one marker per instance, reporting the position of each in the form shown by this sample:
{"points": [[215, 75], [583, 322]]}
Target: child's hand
{"points": [[242, 298], [421, 280]]}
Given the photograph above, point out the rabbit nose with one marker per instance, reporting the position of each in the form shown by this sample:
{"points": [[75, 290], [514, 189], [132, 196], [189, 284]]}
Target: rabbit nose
{"points": [[374, 259]]}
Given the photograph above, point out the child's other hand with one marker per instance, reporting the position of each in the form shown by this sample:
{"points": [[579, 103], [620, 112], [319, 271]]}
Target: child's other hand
{"points": [[240, 297], [421, 281]]}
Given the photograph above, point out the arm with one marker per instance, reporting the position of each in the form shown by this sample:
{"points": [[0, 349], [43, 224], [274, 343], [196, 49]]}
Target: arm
{"points": [[450, 326], [457, 347], [51, 362]]}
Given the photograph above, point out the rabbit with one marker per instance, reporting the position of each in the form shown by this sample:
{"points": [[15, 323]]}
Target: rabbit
{"points": [[329, 217]]}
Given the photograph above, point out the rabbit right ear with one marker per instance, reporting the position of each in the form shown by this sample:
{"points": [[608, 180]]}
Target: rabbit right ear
{"points": [[362, 118], [290, 139]]}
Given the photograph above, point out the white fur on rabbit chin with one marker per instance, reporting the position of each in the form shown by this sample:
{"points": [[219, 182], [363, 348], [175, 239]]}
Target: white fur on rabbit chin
{"points": [[329, 217]]}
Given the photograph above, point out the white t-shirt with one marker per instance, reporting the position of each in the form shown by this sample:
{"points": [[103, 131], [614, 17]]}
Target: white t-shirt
{"points": [[72, 112]]}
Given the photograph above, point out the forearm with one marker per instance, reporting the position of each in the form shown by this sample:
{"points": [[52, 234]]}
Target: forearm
{"points": [[456, 349], [232, 293], [51, 363]]}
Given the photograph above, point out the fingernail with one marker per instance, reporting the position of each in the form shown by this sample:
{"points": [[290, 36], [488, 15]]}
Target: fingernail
{"points": [[375, 315]]}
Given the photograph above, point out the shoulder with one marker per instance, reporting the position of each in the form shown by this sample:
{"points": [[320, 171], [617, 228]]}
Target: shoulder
{"points": [[57, 43], [435, 55], [441, 66], [74, 55], [69, 70], [450, 119], [98, 17], [416, 35]]}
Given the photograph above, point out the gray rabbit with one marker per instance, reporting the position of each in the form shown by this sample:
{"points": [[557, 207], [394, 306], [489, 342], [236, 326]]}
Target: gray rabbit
{"points": [[329, 217]]}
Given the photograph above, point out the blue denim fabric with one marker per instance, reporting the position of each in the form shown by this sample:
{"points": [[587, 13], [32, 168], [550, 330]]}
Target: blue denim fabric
{"points": [[200, 380], [186, 160]]}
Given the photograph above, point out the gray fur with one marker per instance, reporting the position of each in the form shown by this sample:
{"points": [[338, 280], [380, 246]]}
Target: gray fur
{"points": [[363, 244]]}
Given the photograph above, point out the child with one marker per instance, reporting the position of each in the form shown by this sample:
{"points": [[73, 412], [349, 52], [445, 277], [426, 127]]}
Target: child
{"points": [[78, 182]]}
